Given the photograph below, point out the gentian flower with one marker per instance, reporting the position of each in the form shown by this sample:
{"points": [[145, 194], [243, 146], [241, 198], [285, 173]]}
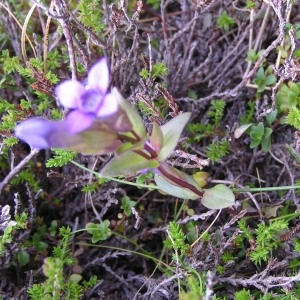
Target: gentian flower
{"points": [[90, 101], [43, 134], [93, 124]]}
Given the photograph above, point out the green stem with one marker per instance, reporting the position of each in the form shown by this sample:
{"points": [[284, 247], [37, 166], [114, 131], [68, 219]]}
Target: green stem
{"points": [[267, 189], [184, 184], [147, 186]]}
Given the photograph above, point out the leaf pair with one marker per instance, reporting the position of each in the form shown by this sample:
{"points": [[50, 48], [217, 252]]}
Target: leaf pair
{"points": [[161, 143], [217, 197]]}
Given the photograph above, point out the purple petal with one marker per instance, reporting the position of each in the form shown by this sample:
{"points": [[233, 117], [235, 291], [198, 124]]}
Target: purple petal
{"points": [[97, 139], [69, 93], [108, 106], [98, 78], [91, 101], [35, 132], [78, 121], [43, 134]]}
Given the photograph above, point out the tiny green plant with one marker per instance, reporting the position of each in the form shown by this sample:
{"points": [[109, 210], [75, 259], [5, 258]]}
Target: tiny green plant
{"points": [[38, 243], [288, 96], [9, 227], [217, 150], [176, 239], [27, 176], [215, 114], [154, 3], [264, 79], [261, 136], [194, 287], [225, 21], [250, 4], [249, 114], [127, 205], [243, 295], [158, 70], [61, 158], [293, 117], [57, 285], [90, 14], [99, 232], [265, 239], [253, 56]]}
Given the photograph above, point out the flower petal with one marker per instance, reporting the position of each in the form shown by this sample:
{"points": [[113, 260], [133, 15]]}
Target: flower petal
{"points": [[78, 121], [108, 106], [69, 93], [98, 78], [43, 134], [35, 132], [91, 101], [97, 139]]}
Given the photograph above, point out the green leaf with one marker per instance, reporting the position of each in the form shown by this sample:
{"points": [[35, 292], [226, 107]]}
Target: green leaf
{"points": [[171, 133], [156, 138], [271, 117], [132, 114], [75, 278], [37, 243], [61, 158], [125, 147], [127, 204], [270, 79], [287, 96], [174, 190], [99, 232], [202, 178], [251, 55], [159, 70], [292, 98], [126, 163], [23, 258], [268, 132], [257, 132], [254, 144], [261, 87], [144, 74], [218, 197], [294, 87], [261, 74], [266, 143]]}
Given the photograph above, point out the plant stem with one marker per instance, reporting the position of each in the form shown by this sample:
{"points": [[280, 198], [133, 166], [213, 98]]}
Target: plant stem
{"points": [[261, 189], [152, 154], [267, 189]]}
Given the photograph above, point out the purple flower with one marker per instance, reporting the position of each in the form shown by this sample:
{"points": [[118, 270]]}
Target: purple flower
{"points": [[94, 123], [90, 101], [43, 134]]}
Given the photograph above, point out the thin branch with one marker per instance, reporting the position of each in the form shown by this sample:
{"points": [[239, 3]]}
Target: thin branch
{"points": [[62, 8], [17, 168]]}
